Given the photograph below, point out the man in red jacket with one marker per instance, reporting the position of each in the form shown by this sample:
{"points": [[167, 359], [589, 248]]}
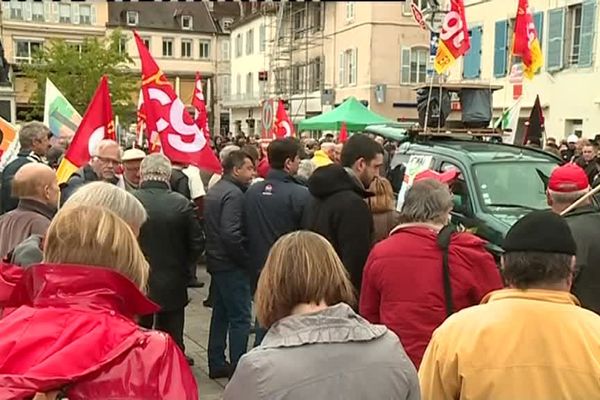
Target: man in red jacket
{"points": [[403, 284]]}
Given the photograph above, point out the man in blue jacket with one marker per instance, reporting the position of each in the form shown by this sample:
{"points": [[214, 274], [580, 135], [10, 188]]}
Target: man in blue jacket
{"points": [[227, 263], [274, 206]]}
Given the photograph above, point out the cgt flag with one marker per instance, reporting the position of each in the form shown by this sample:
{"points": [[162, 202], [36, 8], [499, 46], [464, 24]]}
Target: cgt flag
{"points": [[526, 43], [283, 124], [180, 138], [97, 124], [454, 37], [199, 104]]}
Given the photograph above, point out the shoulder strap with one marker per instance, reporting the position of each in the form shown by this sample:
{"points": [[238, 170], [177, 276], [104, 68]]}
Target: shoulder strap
{"points": [[443, 242]]}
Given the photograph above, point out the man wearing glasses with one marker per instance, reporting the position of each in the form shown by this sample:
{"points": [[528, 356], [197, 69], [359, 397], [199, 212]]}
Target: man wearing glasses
{"points": [[102, 167]]}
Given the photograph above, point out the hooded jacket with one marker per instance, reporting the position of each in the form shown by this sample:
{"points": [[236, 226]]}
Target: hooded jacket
{"points": [[321, 159], [339, 213], [68, 313], [7, 202], [403, 285]]}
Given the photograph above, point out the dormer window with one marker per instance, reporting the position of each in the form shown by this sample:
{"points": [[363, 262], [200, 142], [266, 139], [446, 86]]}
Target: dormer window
{"points": [[187, 22], [133, 18]]}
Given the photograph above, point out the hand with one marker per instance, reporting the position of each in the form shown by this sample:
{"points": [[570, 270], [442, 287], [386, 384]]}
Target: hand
{"points": [[46, 396]]}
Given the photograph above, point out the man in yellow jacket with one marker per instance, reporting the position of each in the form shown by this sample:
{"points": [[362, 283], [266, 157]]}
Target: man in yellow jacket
{"points": [[529, 341], [325, 155]]}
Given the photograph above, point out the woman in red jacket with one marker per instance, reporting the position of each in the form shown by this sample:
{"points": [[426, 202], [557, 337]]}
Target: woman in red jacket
{"points": [[403, 281], [74, 330]]}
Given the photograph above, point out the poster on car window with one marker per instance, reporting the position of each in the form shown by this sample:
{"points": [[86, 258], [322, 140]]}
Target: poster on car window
{"points": [[416, 164]]}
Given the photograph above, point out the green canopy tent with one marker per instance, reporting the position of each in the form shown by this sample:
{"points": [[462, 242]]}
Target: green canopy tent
{"points": [[356, 116]]}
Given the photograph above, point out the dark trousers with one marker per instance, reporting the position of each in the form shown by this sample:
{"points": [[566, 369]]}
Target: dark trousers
{"points": [[259, 333], [231, 314], [170, 322]]}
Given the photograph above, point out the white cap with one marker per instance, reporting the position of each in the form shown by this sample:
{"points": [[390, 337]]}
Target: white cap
{"points": [[133, 154], [572, 139]]}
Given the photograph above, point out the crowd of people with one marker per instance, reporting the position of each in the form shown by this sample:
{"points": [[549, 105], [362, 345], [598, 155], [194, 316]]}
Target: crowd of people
{"points": [[347, 297]]}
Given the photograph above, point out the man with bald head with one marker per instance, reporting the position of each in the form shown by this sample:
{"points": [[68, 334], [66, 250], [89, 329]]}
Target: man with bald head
{"points": [[324, 156], [35, 186], [102, 167]]}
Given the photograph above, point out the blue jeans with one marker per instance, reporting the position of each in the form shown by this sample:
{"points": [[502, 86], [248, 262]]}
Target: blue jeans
{"points": [[231, 314]]}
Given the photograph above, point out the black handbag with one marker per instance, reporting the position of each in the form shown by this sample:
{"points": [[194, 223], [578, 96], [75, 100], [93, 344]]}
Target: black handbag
{"points": [[443, 242]]}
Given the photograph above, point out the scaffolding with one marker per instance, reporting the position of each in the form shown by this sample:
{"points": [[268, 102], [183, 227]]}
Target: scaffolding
{"points": [[296, 55]]}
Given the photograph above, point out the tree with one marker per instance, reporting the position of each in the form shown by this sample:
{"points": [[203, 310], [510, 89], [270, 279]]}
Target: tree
{"points": [[76, 71]]}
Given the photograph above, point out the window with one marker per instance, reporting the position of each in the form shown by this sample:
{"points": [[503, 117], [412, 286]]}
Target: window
{"points": [[238, 45], [350, 68], [37, 11], [85, 14], [65, 13], [187, 22], [262, 37], [123, 45], [146, 41], [350, 10], [573, 35], [297, 78], [299, 23], [226, 24], [25, 50], [472, 60], [250, 42], [249, 85], [422, 4], [316, 16], [167, 47], [132, 18], [76, 46], [225, 86], [204, 49], [414, 65], [16, 10], [316, 69], [225, 50], [186, 48]]}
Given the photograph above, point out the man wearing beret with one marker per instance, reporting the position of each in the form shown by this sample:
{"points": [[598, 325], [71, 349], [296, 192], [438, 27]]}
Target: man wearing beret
{"points": [[566, 185], [531, 340]]}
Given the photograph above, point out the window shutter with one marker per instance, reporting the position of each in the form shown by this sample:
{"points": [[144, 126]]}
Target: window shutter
{"points": [[556, 34], [75, 13], [538, 20], [354, 66], [405, 73], [500, 48], [472, 60], [27, 11], [341, 70], [93, 14], [55, 12], [588, 26]]}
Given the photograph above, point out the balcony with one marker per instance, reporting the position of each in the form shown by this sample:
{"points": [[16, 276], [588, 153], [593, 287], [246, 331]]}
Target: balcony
{"points": [[242, 100]]}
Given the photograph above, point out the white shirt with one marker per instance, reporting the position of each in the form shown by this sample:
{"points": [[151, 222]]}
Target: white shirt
{"points": [[194, 182]]}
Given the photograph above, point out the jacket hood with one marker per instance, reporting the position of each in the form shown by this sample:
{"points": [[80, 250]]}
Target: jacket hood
{"points": [[82, 287], [336, 324], [331, 179]]}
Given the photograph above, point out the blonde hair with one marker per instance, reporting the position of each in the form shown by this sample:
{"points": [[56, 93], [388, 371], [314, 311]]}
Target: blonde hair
{"points": [[383, 200], [113, 198], [95, 236], [302, 267]]}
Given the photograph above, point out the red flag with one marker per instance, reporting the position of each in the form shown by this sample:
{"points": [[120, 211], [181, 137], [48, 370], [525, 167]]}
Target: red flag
{"points": [[200, 106], [180, 138], [526, 43], [343, 133], [153, 139], [97, 124], [283, 124], [454, 38]]}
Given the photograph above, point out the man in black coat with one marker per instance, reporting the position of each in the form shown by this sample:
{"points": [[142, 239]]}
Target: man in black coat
{"points": [[34, 145], [170, 239], [566, 185], [228, 263], [274, 206], [339, 211]]}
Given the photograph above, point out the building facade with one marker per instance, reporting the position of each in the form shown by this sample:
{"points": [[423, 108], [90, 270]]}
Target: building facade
{"points": [[568, 36]]}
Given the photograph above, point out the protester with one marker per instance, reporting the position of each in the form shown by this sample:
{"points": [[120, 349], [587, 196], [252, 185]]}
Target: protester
{"points": [[222, 156], [311, 146], [102, 167], [55, 156], [566, 185], [339, 211], [305, 171], [324, 156], [227, 262], [34, 145], [317, 347], [530, 341], [74, 330], [567, 151], [338, 152], [132, 159], [35, 186], [171, 240], [588, 161], [383, 208], [404, 284], [274, 206]]}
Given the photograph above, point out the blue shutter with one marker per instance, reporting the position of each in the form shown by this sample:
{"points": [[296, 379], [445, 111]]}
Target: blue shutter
{"points": [[472, 60], [538, 20], [588, 26], [556, 39], [500, 48]]}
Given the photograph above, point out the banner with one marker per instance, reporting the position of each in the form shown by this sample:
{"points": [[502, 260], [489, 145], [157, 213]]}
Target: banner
{"points": [[454, 37], [199, 104], [59, 115], [283, 124], [526, 43]]}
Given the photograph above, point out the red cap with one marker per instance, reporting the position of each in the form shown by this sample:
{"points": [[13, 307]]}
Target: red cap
{"points": [[444, 177], [568, 178]]}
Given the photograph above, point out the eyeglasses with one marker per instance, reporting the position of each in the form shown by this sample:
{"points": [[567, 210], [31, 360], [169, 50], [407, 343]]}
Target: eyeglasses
{"points": [[106, 160]]}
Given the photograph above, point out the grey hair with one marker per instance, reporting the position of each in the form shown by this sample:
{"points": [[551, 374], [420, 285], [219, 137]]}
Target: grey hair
{"points": [[32, 131], [306, 168], [227, 150], [566, 197], [103, 144], [525, 270], [156, 167], [111, 197], [327, 146], [427, 201]]}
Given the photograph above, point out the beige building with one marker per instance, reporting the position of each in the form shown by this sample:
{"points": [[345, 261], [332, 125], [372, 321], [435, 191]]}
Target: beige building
{"points": [[567, 84]]}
